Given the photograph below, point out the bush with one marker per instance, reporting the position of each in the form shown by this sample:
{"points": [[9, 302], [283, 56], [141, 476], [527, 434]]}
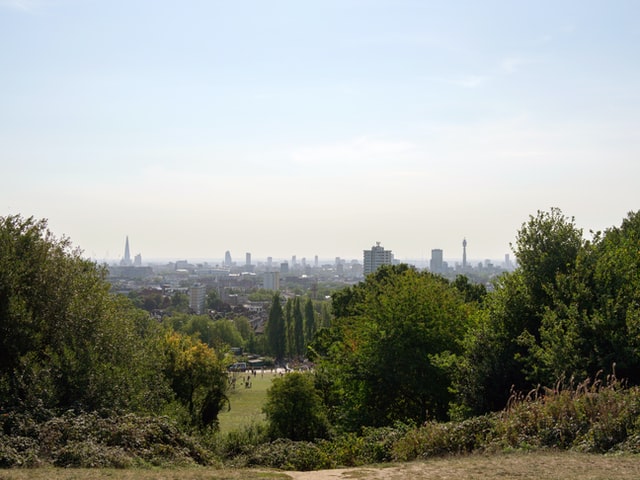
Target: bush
{"points": [[434, 439], [289, 455], [591, 417], [373, 445], [89, 440], [239, 442]]}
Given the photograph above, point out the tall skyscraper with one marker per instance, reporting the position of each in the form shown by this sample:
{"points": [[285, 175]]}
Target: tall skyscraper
{"points": [[464, 253], [436, 264], [126, 260], [227, 259], [248, 259], [375, 258]]}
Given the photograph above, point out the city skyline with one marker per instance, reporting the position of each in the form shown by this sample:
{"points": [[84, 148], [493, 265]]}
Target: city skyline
{"points": [[316, 128], [248, 259]]}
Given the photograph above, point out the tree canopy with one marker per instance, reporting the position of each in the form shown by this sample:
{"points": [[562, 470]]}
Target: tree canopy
{"points": [[66, 342], [389, 347]]}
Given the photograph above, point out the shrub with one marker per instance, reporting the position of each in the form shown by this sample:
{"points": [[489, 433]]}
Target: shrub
{"points": [[289, 455], [89, 440], [238, 442], [373, 445], [591, 417], [434, 439]]}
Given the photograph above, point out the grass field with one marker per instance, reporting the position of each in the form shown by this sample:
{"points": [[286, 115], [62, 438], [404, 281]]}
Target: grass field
{"points": [[513, 466], [246, 403]]}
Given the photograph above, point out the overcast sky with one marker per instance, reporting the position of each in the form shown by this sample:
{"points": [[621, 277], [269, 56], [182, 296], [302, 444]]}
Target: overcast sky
{"points": [[292, 127]]}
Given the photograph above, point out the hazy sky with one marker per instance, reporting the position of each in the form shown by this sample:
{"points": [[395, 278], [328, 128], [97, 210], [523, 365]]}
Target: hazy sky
{"points": [[284, 127]]}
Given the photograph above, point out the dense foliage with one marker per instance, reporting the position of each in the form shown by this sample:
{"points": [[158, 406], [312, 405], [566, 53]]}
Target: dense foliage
{"points": [[387, 356], [294, 409], [67, 343], [570, 309], [408, 364]]}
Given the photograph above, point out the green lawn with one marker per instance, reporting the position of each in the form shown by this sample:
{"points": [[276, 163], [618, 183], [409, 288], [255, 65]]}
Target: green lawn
{"points": [[246, 403]]}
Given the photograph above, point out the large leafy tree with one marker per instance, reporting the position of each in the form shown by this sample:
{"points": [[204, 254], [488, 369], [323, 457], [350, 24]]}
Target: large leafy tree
{"points": [[500, 348], [294, 409], [388, 352], [197, 377], [594, 322], [64, 340]]}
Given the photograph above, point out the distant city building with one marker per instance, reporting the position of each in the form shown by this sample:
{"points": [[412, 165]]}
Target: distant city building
{"points": [[271, 281], [227, 259], [126, 260], [182, 265], [315, 262], [284, 267], [436, 264], [247, 259], [269, 263], [464, 253], [375, 258], [197, 296], [137, 260]]}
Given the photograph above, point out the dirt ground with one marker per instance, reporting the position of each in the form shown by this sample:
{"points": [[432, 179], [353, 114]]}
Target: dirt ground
{"points": [[550, 466]]}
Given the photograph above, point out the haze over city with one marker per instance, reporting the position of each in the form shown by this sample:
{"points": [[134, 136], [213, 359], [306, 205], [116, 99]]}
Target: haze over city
{"points": [[316, 128]]}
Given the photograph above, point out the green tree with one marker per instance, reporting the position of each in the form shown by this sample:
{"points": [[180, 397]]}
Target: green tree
{"points": [[310, 323], [594, 322], [179, 302], [298, 328], [503, 348], [289, 328], [546, 246], [275, 329], [294, 409], [197, 377], [390, 348], [65, 341], [213, 300], [246, 332]]}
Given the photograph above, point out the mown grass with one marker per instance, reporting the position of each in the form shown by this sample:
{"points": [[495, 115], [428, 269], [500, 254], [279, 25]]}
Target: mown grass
{"points": [[246, 403]]}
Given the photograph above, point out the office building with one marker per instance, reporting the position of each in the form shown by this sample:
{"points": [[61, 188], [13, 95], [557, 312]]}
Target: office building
{"points": [[436, 265], [271, 281], [375, 258], [197, 297]]}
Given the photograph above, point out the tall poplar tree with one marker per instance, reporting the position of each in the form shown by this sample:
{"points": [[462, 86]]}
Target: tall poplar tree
{"points": [[309, 321], [276, 332], [298, 327]]}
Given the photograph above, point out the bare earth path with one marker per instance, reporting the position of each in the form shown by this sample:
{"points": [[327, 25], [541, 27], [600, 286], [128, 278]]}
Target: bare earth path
{"points": [[549, 466], [514, 466]]}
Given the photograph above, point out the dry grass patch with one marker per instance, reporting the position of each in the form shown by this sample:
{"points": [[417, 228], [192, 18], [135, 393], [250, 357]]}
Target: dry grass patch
{"points": [[515, 466], [138, 474]]}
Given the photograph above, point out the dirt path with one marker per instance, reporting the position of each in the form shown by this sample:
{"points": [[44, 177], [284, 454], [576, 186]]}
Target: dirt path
{"points": [[386, 473], [548, 465]]}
